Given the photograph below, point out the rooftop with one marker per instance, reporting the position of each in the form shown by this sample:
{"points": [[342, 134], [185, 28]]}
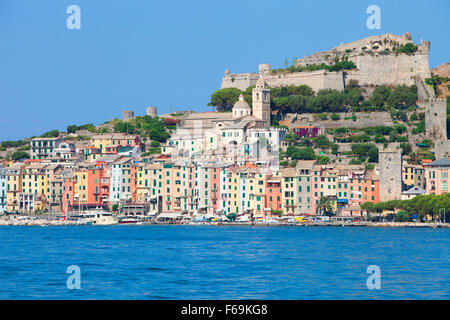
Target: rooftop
{"points": [[444, 162]]}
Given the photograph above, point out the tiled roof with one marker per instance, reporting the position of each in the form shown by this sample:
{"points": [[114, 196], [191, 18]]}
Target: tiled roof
{"points": [[440, 162]]}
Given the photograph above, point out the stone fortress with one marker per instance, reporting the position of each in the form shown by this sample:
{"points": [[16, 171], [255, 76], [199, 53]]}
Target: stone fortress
{"points": [[377, 63]]}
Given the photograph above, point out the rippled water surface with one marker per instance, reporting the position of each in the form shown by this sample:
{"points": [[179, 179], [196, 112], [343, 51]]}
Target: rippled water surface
{"points": [[211, 262]]}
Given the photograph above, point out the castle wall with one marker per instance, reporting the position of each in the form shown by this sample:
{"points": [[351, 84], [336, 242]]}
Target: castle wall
{"points": [[389, 69], [436, 126], [424, 92], [376, 64], [375, 70], [239, 80], [317, 80]]}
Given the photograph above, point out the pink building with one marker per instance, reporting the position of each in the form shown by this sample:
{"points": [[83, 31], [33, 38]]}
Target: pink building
{"points": [[436, 175], [215, 187]]}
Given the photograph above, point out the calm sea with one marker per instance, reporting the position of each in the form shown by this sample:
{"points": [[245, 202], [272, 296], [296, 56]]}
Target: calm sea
{"points": [[212, 262]]}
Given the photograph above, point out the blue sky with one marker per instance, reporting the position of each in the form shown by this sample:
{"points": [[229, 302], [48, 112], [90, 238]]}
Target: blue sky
{"points": [[170, 54]]}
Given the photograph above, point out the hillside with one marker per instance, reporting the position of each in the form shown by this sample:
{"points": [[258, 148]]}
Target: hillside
{"points": [[442, 75]]}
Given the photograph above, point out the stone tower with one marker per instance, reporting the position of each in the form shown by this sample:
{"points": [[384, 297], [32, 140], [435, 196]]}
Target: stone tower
{"points": [[127, 115], [261, 101], [264, 68], [436, 126], [151, 111], [390, 162]]}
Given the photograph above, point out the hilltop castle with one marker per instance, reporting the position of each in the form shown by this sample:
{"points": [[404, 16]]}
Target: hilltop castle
{"points": [[375, 58]]}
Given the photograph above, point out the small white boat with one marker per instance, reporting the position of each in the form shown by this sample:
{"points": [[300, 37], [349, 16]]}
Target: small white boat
{"points": [[95, 217], [130, 221]]}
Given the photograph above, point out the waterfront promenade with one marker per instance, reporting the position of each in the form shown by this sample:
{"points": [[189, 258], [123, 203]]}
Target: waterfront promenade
{"points": [[16, 220]]}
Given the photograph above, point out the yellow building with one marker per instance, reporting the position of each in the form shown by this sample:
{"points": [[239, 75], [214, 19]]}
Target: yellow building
{"points": [[167, 181], [256, 188], [413, 175], [289, 190], [102, 141], [329, 185], [13, 187], [34, 191], [234, 192], [142, 184], [177, 189], [189, 198], [80, 196], [152, 178]]}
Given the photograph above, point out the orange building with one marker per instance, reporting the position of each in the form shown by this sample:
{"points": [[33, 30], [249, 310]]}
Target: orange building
{"points": [[364, 187], [98, 187], [273, 195]]}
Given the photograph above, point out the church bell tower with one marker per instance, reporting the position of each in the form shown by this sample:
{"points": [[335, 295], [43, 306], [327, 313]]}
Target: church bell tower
{"points": [[261, 101]]}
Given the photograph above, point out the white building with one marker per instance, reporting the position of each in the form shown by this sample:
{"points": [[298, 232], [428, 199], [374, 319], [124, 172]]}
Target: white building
{"points": [[115, 193], [230, 137], [2, 190]]}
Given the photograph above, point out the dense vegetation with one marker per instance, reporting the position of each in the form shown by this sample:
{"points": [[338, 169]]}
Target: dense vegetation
{"points": [[421, 205], [435, 81], [302, 99], [343, 64], [408, 48], [74, 128], [21, 144], [18, 155], [50, 134], [145, 126]]}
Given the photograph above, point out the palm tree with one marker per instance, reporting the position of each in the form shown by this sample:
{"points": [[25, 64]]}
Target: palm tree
{"points": [[325, 207]]}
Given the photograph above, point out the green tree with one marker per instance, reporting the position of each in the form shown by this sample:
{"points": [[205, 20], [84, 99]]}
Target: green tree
{"points": [[291, 137], [72, 129], [18, 155], [322, 141], [403, 97], [335, 148], [158, 135], [407, 48], [224, 99], [325, 207], [50, 134], [155, 144], [380, 95], [296, 153], [406, 148], [369, 207], [323, 159], [373, 154]]}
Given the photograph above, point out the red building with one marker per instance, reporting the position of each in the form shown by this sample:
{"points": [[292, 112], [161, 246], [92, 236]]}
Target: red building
{"points": [[98, 187], [68, 187], [307, 131], [273, 196], [215, 187]]}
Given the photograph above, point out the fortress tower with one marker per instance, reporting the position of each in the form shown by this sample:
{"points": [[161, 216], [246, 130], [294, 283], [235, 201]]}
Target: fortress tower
{"points": [[390, 162], [151, 111], [261, 101], [127, 115]]}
